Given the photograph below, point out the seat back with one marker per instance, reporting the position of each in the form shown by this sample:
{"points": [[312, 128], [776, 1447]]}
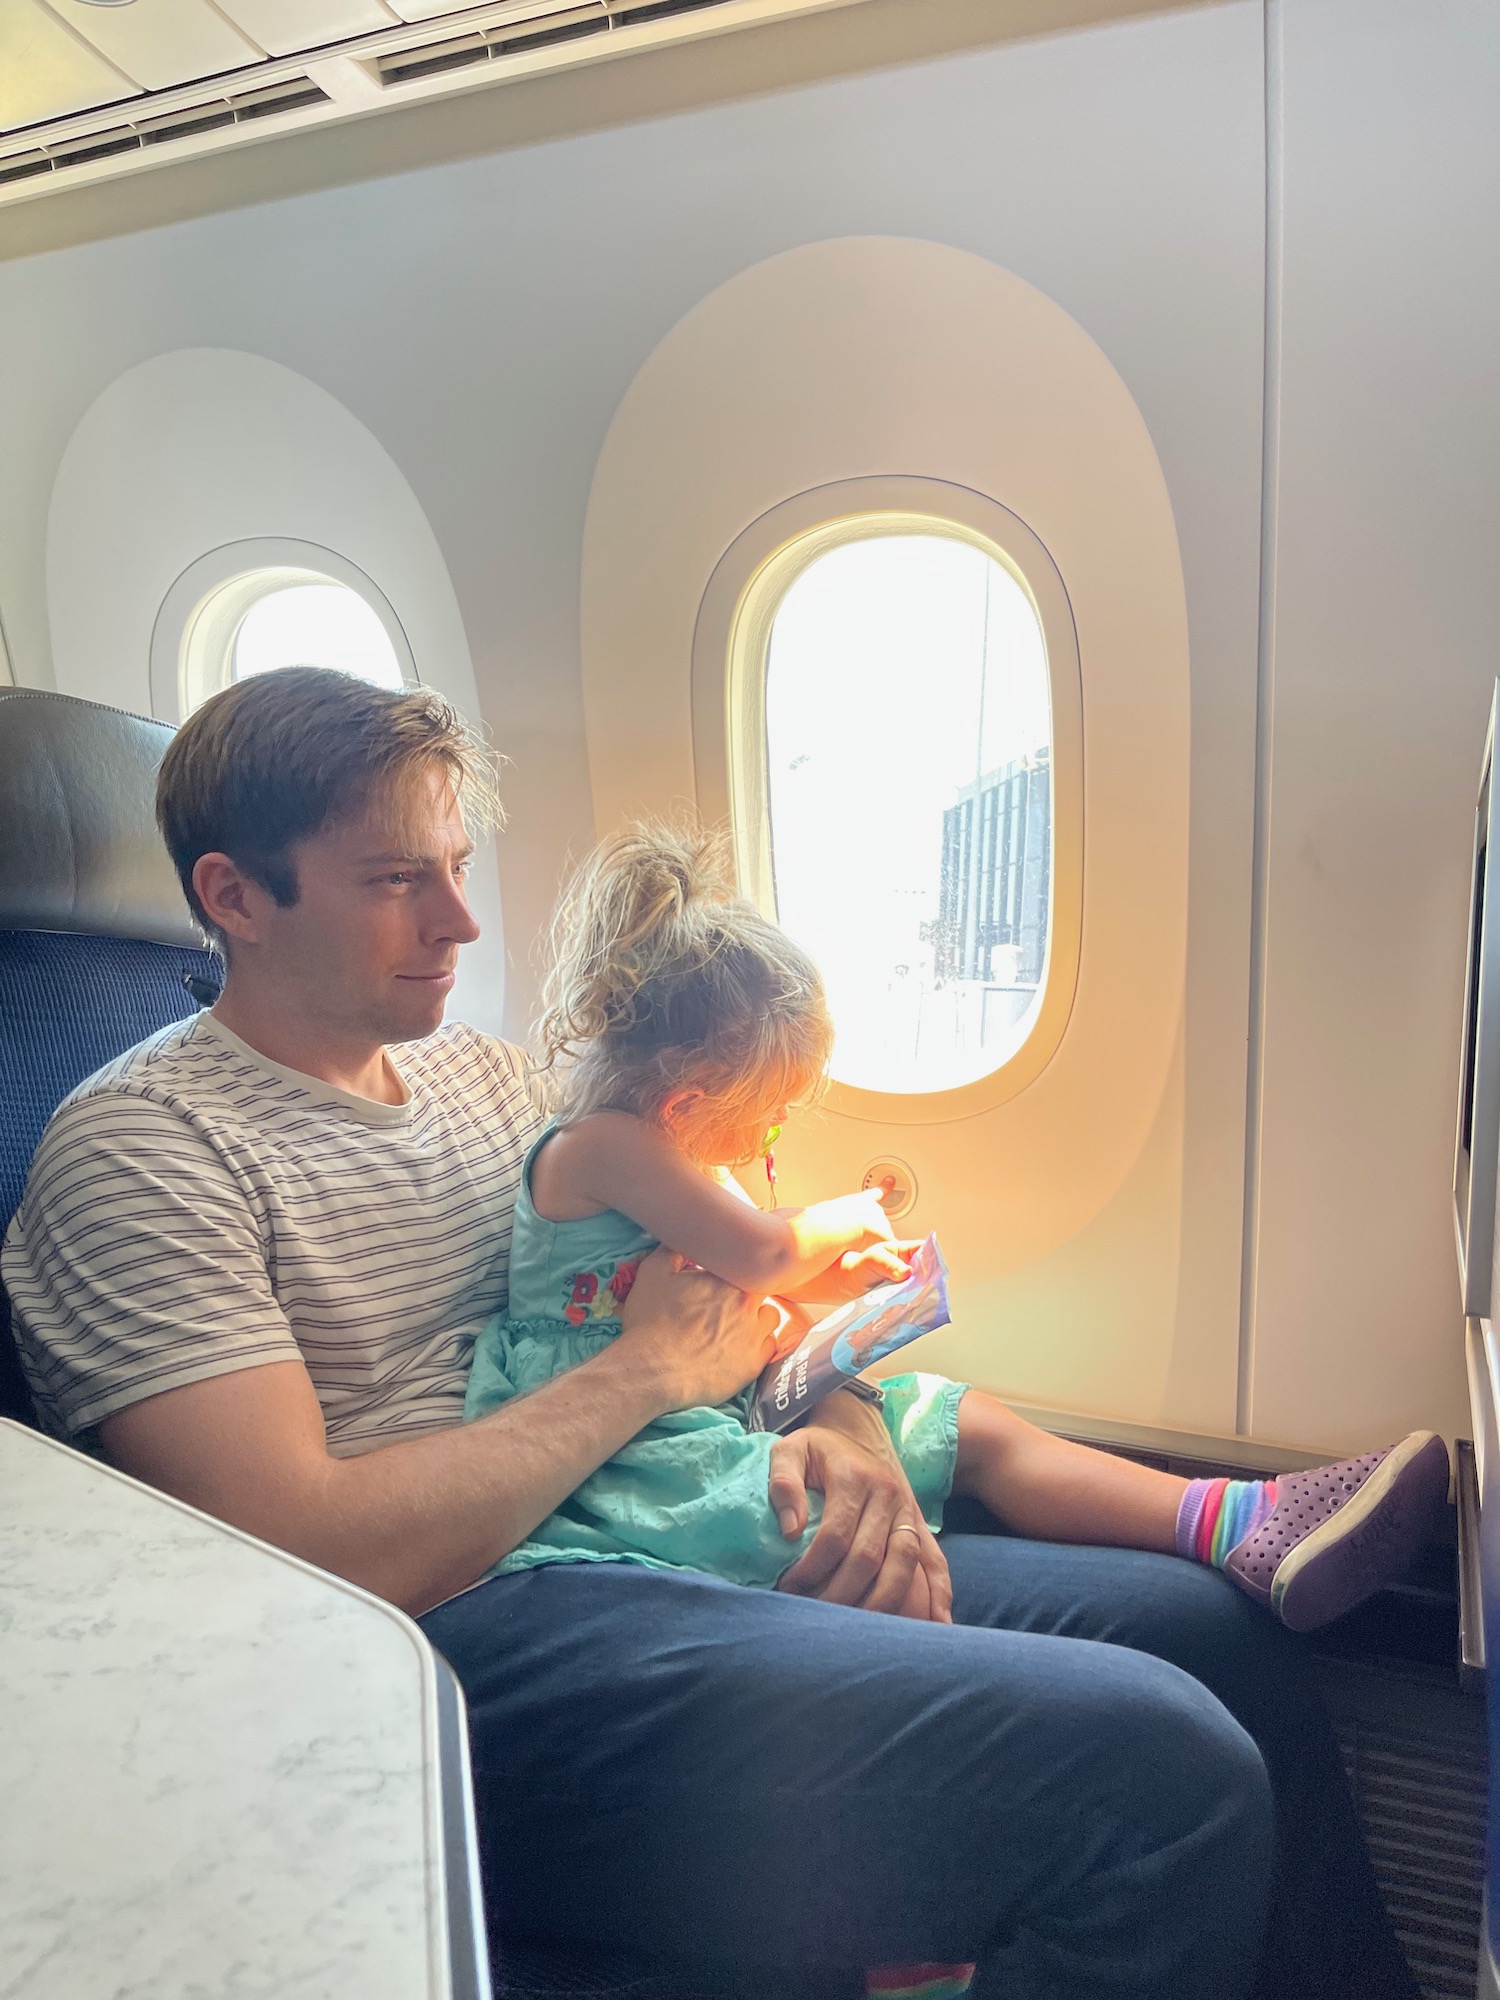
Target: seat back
{"points": [[96, 941]]}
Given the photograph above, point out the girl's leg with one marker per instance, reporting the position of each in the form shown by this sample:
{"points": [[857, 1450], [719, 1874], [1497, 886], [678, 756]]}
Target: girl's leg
{"points": [[1052, 1490], [1309, 1546]]}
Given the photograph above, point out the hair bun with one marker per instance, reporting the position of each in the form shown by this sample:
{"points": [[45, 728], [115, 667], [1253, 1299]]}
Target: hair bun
{"points": [[657, 963]]}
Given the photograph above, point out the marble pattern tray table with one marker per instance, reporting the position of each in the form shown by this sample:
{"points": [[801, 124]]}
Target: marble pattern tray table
{"points": [[224, 1775]]}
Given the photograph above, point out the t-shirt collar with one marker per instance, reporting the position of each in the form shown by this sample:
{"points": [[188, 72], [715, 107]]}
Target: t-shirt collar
{"points": [[366, 1109]]}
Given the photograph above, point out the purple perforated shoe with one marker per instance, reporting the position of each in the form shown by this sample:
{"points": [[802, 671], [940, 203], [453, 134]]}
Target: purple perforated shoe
{"points": [[1339, 1532]]}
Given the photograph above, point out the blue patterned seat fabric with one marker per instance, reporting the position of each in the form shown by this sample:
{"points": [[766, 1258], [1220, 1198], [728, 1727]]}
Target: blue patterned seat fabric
{"points": [[68, 1005]]}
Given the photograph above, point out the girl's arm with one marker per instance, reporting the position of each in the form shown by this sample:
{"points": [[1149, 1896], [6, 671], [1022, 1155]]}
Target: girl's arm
{"points": [[612, 1160]]}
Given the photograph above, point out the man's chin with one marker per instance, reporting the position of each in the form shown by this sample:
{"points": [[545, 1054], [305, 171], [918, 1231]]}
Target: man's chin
{"points": [[416, 1014]]}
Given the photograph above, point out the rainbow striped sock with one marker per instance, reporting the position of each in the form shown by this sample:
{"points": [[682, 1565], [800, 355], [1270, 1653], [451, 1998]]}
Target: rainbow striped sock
{"points": [[1216, 1515], [918, 1982]]}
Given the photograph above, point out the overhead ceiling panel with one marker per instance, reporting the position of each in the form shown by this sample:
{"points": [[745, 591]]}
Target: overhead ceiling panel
{"points": [[433, 10], [161, 42], [72, 107], [286, 27], [45, 72]]}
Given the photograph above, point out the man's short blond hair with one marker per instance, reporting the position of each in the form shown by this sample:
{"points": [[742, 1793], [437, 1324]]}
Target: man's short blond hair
{"points": [[277, 758]]}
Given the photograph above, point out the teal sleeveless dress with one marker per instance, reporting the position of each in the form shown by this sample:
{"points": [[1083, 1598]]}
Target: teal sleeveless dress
{"points": [[689, 1492]]}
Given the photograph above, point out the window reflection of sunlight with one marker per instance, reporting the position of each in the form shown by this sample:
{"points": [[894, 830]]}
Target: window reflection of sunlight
{"points": [[315, 625], [900, 670]]}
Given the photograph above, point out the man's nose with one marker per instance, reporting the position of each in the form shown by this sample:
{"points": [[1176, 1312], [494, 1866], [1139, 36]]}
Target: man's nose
{"points": [[452, 919]]}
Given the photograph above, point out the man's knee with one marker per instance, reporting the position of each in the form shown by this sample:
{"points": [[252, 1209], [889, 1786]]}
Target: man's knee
{"points": [[1198, 1770], [1096, 1760], [1175, 1837]]}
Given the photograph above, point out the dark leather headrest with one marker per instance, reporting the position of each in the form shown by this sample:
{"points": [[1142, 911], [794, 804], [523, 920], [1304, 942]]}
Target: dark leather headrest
{"points": [[79, 849]]}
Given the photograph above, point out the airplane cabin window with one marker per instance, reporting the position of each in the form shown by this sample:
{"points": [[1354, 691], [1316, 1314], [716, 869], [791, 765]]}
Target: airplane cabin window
{"points": [[250, 607], [908, 736], [314, 625]]}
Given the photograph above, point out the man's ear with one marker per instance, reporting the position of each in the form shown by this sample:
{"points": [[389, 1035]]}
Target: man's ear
{"points": [[232, 900]]}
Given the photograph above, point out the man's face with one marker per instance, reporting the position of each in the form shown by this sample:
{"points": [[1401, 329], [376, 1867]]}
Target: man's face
{"points": [[372, 940]]}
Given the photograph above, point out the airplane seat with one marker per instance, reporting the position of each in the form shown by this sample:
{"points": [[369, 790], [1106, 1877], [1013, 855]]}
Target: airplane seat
{"points": [[95, 938]]}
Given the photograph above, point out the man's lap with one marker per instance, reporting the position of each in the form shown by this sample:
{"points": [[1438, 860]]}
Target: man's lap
{"points": [[659, 1756]]}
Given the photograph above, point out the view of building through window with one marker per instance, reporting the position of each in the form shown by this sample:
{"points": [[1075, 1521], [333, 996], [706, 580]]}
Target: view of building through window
{"points": [[908, 729], [314, 625]]}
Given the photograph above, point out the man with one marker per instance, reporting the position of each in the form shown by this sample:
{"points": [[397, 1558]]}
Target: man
{"points": [[252, 1258]]}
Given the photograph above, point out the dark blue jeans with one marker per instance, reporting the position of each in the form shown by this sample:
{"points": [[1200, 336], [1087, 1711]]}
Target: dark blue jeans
{"points": [[1096, 1782]]}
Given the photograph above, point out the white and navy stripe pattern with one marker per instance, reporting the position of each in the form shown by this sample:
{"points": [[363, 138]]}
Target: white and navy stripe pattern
{"points": [[194, 1209]]}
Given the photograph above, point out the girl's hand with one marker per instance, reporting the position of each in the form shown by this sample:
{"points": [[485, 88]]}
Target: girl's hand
{"points": [[858, 1219], [857, 1271], [881, 1264]]}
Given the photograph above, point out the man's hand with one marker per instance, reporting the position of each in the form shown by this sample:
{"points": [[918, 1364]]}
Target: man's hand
{"points": [[702, 1340], [872, 1547]]}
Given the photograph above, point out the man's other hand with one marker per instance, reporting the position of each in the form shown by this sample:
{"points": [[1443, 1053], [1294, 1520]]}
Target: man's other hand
{"points": [[872, 1548], [701, 1339]]}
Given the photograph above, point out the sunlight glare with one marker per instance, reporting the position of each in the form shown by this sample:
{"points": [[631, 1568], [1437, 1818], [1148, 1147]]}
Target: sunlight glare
{"points": [[901, 670]]}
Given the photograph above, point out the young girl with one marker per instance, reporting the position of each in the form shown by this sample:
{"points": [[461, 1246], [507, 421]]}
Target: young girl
{"points": [[680, 1029]]}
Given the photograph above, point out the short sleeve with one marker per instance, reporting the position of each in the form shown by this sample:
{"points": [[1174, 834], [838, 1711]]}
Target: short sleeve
{"points": [[135, 1264], [518, 1074]]}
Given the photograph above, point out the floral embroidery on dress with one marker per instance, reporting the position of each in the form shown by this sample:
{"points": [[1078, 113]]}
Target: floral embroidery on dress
{"points": [[600, 1294], [585, 1287]]}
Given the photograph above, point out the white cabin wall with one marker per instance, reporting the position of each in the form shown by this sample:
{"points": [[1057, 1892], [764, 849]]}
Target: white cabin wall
{"points": [[1383, 658], [483, 320]]}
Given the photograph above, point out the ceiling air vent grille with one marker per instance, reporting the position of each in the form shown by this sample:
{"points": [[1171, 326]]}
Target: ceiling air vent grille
{"points": [[461, 52], [22, 166], [97, 146], [657, 10], [184, 124], [520, 37], [293, 93], [407, 65]]}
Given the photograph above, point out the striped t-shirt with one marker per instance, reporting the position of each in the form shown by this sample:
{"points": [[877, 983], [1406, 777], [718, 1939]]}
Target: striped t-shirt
{"points": [[194, 1209]]}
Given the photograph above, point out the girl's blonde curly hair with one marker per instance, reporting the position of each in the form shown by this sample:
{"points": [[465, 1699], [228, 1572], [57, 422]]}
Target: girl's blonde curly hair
{"points": [[662, 978]]}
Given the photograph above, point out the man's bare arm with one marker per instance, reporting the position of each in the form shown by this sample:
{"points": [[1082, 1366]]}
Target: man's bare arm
{"points": [[416, 1521]]}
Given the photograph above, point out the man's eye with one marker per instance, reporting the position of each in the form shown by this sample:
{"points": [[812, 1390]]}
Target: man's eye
{"points": [[401, 876]]}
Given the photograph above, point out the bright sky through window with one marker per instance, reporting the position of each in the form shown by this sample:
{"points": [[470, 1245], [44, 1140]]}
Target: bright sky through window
{"points": [[315, 625], [908, 730]]}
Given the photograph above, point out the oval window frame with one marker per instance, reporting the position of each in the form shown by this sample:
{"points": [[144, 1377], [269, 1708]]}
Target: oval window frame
{"points": [[192, 641], [730, 658]]}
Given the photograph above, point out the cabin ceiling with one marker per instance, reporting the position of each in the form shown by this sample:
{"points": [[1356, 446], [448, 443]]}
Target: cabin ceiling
{"points": [[91, 87], [96, 90]]}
